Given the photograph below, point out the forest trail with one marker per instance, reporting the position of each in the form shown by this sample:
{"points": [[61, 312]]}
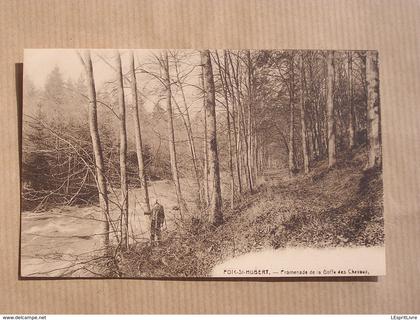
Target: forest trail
{"points": [[275, 176], [58, 242]]}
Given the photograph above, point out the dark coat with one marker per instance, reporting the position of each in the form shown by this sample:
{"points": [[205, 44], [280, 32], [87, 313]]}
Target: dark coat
{"points": [[158, 213]]}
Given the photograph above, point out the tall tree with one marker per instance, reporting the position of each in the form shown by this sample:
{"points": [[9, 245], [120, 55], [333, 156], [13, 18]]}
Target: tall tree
{"points": [[216, 215], [223, 79], [139, 140], [352, 115], [302, 116], [234, 117], [373, 110], [171, 134], [292, 116], [249, 141], [241, 123], [205, 146], [330, 109], [96, 144], [186, 119], [123, 153]]}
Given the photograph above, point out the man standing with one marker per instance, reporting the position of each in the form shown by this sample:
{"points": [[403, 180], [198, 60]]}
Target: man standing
{"points": [[157, 219]]}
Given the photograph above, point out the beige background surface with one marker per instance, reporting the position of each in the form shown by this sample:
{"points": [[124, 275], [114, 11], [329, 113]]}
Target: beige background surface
{"points": [[392, 27]]}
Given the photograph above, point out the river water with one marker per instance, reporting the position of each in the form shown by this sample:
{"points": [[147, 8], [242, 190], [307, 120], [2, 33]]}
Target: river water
{"points": [[58, 242]]}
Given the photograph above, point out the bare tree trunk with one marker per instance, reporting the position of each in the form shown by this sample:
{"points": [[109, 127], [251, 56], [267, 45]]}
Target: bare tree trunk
{"points": [[123, 154], [291, 141], [373, 110], [232, 176], [187, 124], [244, 153], [258, 153], [255, 153], [238, 145], [242, 128], [206, 149], [216, 215], [319, 128], [352, 120], [68, 176], [97, 147], [292, 122], [235, 131], [191, 145], [171, 134], [317, 134], [223, 79], [302, 117], [139, 142], [249, 123], [362, 57], [330, 109]]}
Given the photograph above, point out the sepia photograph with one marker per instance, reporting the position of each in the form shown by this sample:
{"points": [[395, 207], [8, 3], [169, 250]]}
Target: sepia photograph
{"points": [[210, 163]]}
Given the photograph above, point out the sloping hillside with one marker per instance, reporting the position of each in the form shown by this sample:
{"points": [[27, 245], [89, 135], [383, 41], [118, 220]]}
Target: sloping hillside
{"points": [[339, 207]]}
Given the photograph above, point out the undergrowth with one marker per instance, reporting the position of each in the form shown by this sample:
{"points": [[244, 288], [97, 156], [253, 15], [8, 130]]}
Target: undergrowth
{"points": [[341, 206]]}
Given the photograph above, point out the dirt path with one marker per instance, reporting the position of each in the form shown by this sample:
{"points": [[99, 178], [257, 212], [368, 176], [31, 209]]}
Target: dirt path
{"points": [[58, 242]]}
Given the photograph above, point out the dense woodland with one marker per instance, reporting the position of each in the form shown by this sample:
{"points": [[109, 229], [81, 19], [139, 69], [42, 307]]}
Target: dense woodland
{"points": [[219, 120]]}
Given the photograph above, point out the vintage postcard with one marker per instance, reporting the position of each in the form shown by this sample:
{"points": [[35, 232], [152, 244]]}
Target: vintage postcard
{"points": [[201, 163]]}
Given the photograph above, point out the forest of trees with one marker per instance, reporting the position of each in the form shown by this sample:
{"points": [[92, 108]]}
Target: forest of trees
{"points": [[216, 118]]}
